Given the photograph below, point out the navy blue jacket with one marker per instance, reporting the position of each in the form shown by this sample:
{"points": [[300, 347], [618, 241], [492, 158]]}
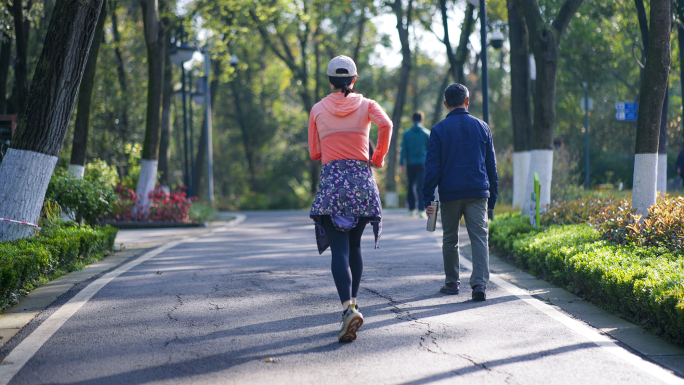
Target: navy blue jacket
{"points": [[461, 160]]}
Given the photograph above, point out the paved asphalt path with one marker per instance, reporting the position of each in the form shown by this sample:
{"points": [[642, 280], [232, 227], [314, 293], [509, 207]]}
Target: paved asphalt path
{"points": [[212, 310]]}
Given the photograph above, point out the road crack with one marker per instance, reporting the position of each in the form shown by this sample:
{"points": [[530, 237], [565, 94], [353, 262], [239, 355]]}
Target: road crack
{"points": [[428, 341], [175, 307]]}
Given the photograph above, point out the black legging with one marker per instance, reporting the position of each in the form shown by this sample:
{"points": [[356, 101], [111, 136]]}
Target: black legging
{"points": [[347, 261]]}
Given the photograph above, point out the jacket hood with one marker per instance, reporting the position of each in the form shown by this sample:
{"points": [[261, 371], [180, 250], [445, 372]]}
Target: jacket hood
{"points": [[338, 105]]}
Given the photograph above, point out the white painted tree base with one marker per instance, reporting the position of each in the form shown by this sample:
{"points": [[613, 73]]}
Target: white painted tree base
{"points": [[391, 199], [24, 178], [645, 179], [521, 167], [662, 174], [146, 183], [77, 171], [541, 162]]}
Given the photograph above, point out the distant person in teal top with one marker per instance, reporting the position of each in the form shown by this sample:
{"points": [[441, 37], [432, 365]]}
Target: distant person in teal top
{"points": [[414, 145]]}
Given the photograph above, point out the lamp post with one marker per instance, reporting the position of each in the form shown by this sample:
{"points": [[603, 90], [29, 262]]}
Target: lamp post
{"points": [[179, 55], [191, 125], [483, 57], [201, 95], [208, 126], [586, 134]]}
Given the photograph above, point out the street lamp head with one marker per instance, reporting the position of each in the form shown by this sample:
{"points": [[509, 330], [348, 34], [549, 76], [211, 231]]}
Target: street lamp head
{"points": [[496, 39], [234, 60], [182, 53]]}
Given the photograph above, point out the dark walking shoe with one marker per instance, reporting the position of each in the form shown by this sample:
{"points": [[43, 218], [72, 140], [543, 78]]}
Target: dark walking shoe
{"points": [[352, 320], [450, 288], [479, 293]]}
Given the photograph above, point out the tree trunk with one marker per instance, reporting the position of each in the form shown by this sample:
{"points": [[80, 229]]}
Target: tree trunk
{"points": [[661, 185], [415, 97], [402, 27], [5, 60], [652, 96], [245, 131], [680, 41], [521, 100], [121, 72], [360, 28], [156, 54], [85, 97], [29, 163], [165, 136], [21, 60], [458, 58], [544, 39], [643, 24], [439, 112]]}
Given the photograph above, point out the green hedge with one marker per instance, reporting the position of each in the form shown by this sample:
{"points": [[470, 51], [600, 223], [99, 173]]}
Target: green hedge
{"points": [[642, 284], [26, 262]]}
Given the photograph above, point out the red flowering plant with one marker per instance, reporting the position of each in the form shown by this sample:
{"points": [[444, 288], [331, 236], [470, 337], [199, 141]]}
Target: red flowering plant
{"points": [[164, 207], [173, 207]]}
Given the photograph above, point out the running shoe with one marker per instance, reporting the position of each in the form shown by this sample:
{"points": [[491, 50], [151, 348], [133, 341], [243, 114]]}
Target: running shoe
{"points": [[352, 320]]}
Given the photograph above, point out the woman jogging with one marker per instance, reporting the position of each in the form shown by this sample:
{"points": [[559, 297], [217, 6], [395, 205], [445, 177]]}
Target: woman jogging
{"points": [[347, 198]]}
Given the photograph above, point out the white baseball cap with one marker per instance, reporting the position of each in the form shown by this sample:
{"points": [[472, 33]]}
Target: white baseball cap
{"points": [[342, 62]]}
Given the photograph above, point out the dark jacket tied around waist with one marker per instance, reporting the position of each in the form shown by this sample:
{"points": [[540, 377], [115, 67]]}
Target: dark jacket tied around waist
{"points": [[461, 160]]}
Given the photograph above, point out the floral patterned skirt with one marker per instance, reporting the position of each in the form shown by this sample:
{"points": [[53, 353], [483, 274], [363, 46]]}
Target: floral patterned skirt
{"points": [[347, 188]]}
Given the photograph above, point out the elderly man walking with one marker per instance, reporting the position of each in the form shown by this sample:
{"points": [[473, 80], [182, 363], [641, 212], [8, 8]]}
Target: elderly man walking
{"points": [[461, 161]]}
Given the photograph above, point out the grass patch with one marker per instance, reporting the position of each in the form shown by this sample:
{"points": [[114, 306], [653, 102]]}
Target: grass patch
{"points": [[202, 213]]}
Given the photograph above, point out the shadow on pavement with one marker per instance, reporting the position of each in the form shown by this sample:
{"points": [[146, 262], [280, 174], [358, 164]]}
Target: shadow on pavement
{"points": [[491, 364]]}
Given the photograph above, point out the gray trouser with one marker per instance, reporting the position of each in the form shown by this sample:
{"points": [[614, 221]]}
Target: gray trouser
{"points": [[475, 212]]}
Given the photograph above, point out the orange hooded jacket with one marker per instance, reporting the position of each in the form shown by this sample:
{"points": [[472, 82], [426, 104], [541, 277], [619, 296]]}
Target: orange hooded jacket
{"points": [[339, 128]]}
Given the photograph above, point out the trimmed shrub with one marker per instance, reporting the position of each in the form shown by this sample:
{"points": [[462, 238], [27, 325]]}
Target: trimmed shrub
{"points": [[62, 247], [642, 284]]}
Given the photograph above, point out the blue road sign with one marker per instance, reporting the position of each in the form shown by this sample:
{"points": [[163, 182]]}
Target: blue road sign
{"points": [[626, 116], [626, 107]]}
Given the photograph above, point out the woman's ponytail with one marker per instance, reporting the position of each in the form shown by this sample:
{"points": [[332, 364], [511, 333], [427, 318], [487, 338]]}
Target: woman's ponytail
{"points": [[342, 82], [346, 90]]}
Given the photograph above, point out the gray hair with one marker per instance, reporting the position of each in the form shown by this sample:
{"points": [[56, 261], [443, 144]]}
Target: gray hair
{"points": [[455, 95]]}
